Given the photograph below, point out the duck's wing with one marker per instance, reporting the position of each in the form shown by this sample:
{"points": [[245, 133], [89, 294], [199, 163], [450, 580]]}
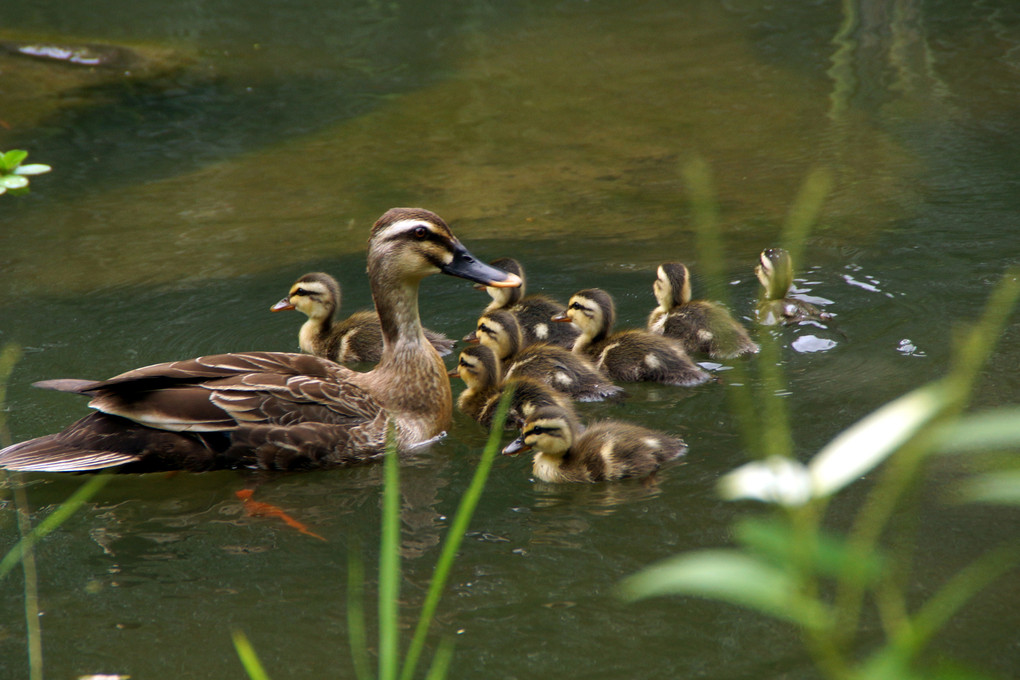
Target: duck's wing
{"points": [[273, 410]]}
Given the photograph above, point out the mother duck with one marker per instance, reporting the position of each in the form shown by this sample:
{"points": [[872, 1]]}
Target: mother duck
{"points": [[275, 410]]}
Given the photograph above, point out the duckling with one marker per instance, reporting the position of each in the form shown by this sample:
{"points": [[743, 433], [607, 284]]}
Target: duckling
{"points": [[699, 325], [532, 312], [606, 451], [549, 364], [775, 272], [276, 410], [479, 368], [356, 339], [631, 355]]}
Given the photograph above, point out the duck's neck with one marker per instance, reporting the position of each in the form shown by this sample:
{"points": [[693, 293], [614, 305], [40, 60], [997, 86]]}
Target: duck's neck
{"points": [[411, 379]]}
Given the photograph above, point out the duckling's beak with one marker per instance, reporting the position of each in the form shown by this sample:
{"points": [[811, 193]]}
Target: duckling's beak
{"points": [[467, 266], [515, 447], [471, 338], [453, 373], [561, 317], [282, 306]]}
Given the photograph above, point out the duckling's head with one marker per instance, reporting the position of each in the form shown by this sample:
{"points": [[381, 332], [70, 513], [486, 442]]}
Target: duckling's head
{"points": [[316, 295], [672, 285], [499, 331], [775, 271], [503, 298], [549, 429], [408, 244], [477, 367], [593, 312]]}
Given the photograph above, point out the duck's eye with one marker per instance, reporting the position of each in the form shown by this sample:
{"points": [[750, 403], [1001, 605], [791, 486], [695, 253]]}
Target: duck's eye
{"points": [[299, 291], [420, 232]]}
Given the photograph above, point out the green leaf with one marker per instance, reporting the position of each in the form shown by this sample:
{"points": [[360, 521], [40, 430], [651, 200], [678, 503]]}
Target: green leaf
{"points": [[992, 430], [32, 169], [12, 159], [865, 444], [777, 542], [730, 576], [13, 182]]}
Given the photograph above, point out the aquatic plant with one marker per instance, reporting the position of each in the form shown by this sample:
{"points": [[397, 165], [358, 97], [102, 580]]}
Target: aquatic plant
{"points": [[390, 665], [789, 566], [13, 175]]}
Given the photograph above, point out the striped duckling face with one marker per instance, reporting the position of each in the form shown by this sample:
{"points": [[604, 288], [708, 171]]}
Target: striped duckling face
{"points": [[316, 295], [672, 285], [549, 430], [592, 311], [478, 367], [499, 331], [775, 272]]}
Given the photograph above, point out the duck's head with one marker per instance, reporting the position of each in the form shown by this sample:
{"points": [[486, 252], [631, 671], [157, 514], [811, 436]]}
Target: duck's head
{"points": [[499, 331], [549, 429], [316, 295], [775, 271], [408, 244], [672, 285], [477, 366], [592, 311]]}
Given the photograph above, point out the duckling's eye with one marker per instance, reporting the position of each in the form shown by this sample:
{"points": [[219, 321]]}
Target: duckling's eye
{"points": [[420, 232], [575, 305], [299, 291], [485, 329]]}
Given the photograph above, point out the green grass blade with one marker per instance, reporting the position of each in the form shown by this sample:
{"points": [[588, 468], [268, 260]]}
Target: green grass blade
{"points": [[389, 565], [468, 503], [52, 521], [441, 661], [356, 635], [249, 659]]}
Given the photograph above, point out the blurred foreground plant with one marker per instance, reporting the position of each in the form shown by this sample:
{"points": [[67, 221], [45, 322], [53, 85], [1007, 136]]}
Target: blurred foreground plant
{"points": [[13, 175], [790, 567], [390, 666]]}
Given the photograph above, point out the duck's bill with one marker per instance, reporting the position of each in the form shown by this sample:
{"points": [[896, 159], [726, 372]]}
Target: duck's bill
{"points": [[282, 306], [515, 447], [562, 318], [467, 266]]}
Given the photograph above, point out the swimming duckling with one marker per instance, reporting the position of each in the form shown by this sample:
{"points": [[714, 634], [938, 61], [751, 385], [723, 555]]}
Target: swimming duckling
{"points": [[532, 312], [631, 355], [605, 451], [700, 325], [277, 410], [551, 365], [478, 367], [356, 339], [775, 271]]}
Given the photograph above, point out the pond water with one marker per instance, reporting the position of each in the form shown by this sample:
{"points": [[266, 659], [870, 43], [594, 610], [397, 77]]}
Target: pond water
{"points": [[260, 140]]}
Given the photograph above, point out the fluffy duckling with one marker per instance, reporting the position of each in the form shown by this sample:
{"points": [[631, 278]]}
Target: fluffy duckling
{"points": [[356, 339], [699, 325], [631, 355], [479, 368], [605, 451], [549, 364], [532, 312], [775, 272]]}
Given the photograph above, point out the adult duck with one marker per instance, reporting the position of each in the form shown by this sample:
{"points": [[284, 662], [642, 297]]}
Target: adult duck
{"points": [[629, 355], [278, 410], [356, 339], [701, 326]]}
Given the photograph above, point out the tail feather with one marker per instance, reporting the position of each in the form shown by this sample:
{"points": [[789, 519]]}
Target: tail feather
{"points": [[66, 385], [49, 454]]}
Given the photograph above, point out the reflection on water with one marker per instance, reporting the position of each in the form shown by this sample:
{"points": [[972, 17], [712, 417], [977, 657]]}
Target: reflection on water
{"points": [[179, 210]]}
